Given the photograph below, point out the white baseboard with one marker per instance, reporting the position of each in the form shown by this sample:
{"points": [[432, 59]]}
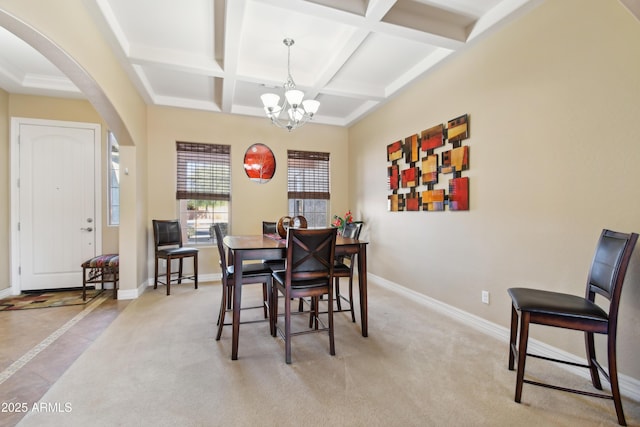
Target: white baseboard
{"points": [[629, 386], [5, 293]]}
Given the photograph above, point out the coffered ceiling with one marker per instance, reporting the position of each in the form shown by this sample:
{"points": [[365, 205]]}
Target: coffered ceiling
{"points": [[220, 56]]}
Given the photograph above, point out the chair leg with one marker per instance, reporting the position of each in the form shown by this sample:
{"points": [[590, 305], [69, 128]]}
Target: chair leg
{"points": [[613, 378], [274, 310], [179, 271], [332, 345], [313, 305], [353, 314], [168, 276], [116, 280], [84, 284], [265, 301], [223, 310], [591, 356], [195, 270], [287, 328], [513, 336], [337, 293], [155, 281], [522, 354]]}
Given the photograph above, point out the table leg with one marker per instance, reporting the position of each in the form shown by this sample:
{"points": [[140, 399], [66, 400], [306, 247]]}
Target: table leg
{"points": [[237, 299], [362, 285]]}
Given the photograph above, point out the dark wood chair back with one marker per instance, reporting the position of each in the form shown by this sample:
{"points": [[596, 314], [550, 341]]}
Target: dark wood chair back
{"points": [[167, 233], [310, 253]]}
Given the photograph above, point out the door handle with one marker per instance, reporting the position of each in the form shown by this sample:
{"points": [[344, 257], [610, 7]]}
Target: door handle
{"points": [[87, 229]]}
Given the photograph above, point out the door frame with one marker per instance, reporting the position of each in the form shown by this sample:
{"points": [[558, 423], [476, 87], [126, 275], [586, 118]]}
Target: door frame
{"points": [[14, 187]]}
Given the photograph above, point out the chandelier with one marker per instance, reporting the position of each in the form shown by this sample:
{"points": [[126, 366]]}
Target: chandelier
{"points": [[298, 112]]}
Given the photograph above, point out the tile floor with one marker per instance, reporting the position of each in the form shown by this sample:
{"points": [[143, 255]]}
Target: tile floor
{"points": [[37, 346]]}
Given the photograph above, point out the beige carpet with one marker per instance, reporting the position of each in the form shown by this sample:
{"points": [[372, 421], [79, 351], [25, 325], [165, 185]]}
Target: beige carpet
{"points": [[158, 364]]}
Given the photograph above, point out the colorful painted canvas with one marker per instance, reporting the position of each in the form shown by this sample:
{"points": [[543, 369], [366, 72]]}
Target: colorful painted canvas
{"points": [[410, 177], [433, 200], [394, 151], [413, 202], [459, 194], [393, 174], [430, 169], [458, 129], [432, 138], [412, 150], [392, 201], [456, 160]]}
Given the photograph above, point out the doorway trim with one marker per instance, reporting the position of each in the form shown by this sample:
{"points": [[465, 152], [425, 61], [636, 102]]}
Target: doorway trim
{"points": [[16, 122]]}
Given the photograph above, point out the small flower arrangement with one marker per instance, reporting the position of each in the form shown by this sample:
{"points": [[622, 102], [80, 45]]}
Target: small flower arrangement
{"points": [[339, 222]]}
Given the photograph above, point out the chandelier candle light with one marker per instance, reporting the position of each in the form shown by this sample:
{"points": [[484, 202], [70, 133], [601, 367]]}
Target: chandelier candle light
{"points": [[298, 112]]}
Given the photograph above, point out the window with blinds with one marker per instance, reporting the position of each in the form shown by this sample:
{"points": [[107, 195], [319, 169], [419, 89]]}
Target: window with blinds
{"points": [[308, 186], [203, 171], [203, 189]]}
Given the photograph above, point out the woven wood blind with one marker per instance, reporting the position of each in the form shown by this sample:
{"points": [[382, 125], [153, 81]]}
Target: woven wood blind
{"points": [[204, 171], [308, 175]]}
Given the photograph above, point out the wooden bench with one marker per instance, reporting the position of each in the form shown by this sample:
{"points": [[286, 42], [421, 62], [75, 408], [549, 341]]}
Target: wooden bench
{"points": [[101, 269]]}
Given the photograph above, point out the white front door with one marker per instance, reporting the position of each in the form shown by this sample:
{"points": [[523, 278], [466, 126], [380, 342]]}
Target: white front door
{"points": [[58, 216]]}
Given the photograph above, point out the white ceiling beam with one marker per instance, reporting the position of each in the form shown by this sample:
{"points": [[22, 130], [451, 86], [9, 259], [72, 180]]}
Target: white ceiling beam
{"points": [[234, 14]]}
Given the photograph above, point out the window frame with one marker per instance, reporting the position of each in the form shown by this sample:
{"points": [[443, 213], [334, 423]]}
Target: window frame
{"points": [[308, 186], [113, 172], [203, 179]]}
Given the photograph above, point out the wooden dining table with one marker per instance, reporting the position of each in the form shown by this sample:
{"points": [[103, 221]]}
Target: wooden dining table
{"points": [[264, 247]]}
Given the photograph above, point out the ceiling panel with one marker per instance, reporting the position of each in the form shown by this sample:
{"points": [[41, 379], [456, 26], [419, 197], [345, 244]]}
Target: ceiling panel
{"points": [[220, 56]]}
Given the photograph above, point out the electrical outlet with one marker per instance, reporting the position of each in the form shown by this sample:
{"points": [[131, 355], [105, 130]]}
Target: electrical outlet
{"points": [[485, 297]]}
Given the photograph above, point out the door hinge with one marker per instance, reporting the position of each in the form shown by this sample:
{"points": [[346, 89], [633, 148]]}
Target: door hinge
{"points": [[18, 226], [19, 270]]}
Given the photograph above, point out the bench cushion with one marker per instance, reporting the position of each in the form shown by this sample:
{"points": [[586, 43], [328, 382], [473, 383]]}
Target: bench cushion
{"points": [[109, 260]]}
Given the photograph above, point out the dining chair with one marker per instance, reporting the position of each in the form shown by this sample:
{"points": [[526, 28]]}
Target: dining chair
{"points": [[167, 236], [309, 273], [269, 227], [252, 273], [344, 266], [605, 279]]}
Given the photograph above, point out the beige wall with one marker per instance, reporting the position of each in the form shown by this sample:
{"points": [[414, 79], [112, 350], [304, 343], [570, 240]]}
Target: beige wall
{"points": [[553, 101], [251, 202], [5, 243]]}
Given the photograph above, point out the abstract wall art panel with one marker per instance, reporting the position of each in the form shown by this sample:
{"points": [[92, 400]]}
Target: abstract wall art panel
{"points": [[394, 151], [393, 203], [458, 129], [408, 171], [410, 177], [430, 169], [433, 200], [459, 194], [413, 202], [432, 138], [393, 173], [456, 160], [412, 150]]}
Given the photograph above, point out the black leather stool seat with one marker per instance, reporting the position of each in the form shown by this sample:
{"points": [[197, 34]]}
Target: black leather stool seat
{"points": [[250, 269], [177, 251], [547, 302]]}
